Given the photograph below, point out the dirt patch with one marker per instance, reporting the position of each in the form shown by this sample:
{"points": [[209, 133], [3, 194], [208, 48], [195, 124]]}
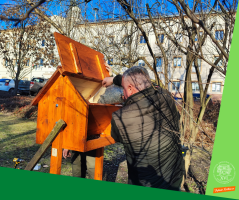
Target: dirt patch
{"points": [[17, 105], [197, 176]]}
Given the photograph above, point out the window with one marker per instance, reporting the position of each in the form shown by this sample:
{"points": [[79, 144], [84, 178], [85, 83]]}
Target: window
{"points": [[28, 61], [16, 63], [7, 45], [175, 86], [111, 40], [41, 62], [220, 63], [124, 60], [196, 37], [82, 41], [96, 41], [126, 39], [195, 87], [177, 62], [161, 38], [219, 35], [179, 37], [39, 80], [159, 64], [142, 40], [199, 66], [141, 63], [43, 43], [110, 61], [216, 87]]}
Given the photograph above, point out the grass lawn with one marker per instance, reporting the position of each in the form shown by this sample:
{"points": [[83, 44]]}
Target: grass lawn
{"points": [[17, 140]]}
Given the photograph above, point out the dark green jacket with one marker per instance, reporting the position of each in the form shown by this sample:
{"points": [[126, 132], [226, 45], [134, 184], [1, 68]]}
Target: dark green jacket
{"points": [[148, 126]]}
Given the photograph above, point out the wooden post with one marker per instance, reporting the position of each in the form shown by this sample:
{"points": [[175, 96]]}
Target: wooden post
{"points": [[56, 155], [99, 164], [57, 128]]}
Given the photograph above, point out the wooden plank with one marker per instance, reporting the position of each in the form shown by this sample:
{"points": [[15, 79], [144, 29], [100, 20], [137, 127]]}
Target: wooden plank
{"points": [[60, 69], [86, 88], [42, 120], [80, 76], [39, 122], [100, 67], [57, 112], [76, 116], [46, 87], [98, 143], [46, 117], [99, 164], [75, 58], [86, 55], [55, 131], [64, 53], [56, 155], [93, 93], [100, 116], [107, 131], [51, 107]]}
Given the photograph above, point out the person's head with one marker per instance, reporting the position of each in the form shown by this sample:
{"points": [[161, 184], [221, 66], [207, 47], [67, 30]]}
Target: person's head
{"points": [[134, 80]]}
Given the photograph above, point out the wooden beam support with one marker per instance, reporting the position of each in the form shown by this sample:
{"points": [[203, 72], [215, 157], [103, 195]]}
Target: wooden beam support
{"points": [[56, 155], [99, 142], [99, 164], [55, 131]]}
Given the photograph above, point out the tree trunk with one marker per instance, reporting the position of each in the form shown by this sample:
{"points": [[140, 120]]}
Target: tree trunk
{"points": [[188, 97]]}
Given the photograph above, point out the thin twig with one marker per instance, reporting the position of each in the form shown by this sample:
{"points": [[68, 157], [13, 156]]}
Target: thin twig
{"points": [[18, 20]]}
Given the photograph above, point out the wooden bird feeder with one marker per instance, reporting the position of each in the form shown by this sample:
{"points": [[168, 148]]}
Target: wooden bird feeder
{"points": [[67, 96]]}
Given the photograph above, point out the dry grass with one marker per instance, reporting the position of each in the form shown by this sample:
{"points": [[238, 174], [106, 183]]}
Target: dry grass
{"points": [[17, 140]]}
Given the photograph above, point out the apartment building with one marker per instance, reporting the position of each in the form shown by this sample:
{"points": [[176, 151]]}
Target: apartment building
{"points": [[120, 41]]}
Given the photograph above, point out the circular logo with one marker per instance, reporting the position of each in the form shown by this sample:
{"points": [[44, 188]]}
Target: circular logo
{"points": [[224, 172]]}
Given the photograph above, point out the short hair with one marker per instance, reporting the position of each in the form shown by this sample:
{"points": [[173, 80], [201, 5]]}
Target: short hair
{"points": [[139, 77]]}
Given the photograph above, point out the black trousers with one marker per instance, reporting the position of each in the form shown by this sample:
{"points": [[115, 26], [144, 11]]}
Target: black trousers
{"points": [[82, 162]]}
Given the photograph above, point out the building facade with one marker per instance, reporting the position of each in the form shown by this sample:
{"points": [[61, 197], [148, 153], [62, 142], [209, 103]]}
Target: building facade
{"points": [[121, 41]]}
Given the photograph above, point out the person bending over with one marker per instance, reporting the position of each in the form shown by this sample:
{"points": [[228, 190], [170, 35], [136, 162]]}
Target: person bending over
{"points": [[148, 126]]}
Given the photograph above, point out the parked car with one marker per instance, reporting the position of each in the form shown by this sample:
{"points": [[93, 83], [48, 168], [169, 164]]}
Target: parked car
{"points": [[196, 96], [37, 84], [23, 87], [8, 85]]}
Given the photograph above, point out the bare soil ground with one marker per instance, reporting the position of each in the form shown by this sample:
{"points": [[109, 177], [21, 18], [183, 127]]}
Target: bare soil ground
{"points": [[18, 105], [17, 139]]}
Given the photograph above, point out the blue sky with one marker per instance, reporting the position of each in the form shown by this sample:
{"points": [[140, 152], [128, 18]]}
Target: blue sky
{"points": [[105, 10], [5, 1]]}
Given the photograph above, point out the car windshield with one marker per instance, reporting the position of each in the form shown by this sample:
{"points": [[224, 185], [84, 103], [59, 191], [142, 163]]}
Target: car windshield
{"points": [[39, 80]]}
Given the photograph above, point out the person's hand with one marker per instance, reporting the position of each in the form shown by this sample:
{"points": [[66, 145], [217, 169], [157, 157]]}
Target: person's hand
{"points": [[107, 81], [109, 69], [66, 153]]}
